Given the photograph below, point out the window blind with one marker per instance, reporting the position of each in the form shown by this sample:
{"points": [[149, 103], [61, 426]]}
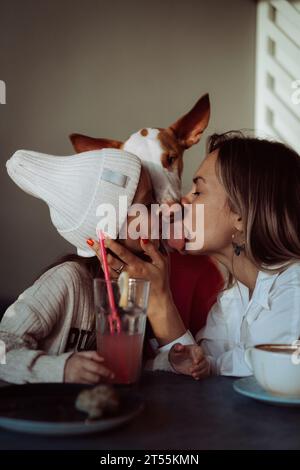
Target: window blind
{"points": [[277, 101]]}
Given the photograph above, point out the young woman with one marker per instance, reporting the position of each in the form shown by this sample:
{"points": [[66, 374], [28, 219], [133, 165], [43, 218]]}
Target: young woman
{"points": [[250, 190], [48, 331]]}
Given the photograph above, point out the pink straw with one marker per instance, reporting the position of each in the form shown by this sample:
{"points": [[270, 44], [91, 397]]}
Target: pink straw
{"points": [[113, 318]]}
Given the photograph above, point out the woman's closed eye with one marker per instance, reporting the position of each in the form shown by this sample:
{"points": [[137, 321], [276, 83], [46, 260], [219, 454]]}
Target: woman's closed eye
{"points": [[196, 193]]}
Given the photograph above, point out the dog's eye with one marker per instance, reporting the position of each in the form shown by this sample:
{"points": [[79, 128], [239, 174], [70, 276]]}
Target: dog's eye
{"points": [[171, 159]]}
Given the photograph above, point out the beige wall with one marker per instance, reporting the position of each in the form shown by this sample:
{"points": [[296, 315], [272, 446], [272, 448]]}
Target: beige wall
{"points": [[108, 68]]}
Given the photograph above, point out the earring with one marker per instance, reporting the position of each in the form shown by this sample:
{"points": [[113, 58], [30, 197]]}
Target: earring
{"points": [[236, 247]]}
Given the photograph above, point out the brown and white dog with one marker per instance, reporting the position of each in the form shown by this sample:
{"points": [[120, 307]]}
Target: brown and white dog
{"points": [[161, 150]]}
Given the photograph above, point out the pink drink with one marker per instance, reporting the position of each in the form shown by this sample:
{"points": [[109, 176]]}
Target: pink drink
{"points": [[123, 355]]}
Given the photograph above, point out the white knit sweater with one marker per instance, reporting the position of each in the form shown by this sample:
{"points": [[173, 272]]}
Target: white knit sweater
{"points": [[47, 323], [50, 321]]}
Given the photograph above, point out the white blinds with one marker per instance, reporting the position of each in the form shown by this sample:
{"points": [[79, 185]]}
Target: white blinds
{"points": [[277, 112]]}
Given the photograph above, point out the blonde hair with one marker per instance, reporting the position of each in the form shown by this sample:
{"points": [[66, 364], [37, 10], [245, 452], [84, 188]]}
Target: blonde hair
{"points": [[262, 181]]}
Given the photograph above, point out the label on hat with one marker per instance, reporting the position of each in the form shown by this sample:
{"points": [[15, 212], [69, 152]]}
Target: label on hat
{"points": [[114, 177]]}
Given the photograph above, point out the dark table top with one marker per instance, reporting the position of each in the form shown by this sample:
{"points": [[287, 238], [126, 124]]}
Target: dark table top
{"points": [[181, 413]]}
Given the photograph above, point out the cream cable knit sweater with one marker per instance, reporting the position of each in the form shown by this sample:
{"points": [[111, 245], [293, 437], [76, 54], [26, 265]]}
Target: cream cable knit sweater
{"points": [[54, 315], [50, 321]]}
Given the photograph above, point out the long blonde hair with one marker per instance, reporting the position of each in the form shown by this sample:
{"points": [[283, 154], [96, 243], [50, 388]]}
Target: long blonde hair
{"points": [[262, 181]]}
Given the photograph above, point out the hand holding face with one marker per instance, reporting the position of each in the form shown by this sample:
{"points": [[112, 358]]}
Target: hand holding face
{"points": [[155, 271], [162, 313]]}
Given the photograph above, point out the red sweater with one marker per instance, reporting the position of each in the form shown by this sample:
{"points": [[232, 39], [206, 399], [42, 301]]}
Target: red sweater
{"points": [[195, 283]]}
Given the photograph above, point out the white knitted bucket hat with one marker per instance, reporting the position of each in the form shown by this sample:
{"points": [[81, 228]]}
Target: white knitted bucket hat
{"points": [[74, 187]]}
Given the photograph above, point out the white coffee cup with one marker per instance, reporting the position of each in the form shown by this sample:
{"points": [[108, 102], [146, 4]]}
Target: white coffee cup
{"points": [[276, 367]]}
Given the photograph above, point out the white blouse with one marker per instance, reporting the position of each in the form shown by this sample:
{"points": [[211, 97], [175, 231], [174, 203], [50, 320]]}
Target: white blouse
{"points": [[235, 322]]}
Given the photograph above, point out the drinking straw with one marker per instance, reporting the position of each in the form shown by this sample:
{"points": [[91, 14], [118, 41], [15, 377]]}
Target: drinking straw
{"points": [[113, 317]]}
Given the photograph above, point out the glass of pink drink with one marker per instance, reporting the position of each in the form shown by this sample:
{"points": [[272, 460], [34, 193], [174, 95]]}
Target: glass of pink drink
{"points": [[122, 351]]}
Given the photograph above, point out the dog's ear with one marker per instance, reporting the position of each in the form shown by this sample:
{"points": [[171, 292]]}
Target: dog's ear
{"points": [[189, 128], [83, 143]]}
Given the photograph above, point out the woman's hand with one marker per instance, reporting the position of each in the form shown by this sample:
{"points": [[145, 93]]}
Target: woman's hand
{"points": [[189, 360], [86, 367], [155, 271], [162, 313]]}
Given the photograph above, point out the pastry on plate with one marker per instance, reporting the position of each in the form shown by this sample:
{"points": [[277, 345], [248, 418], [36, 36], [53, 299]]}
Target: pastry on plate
{"points": [[99, 401]]}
